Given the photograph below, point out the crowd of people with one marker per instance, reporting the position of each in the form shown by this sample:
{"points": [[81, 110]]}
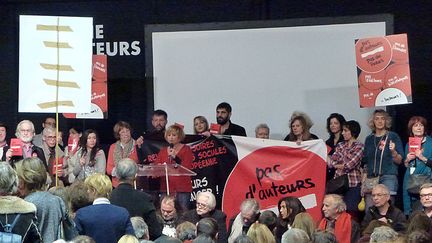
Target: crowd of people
{"points": [[75, 192]]}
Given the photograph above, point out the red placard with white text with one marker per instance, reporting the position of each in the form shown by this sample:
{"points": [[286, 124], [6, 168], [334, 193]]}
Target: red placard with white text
{"points": [[383, 71], [99, 95]]}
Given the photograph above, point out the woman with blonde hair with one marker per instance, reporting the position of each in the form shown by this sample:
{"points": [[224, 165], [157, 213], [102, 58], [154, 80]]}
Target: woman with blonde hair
{"points": [[260, 233], [177, 153], [102, 221], [304, 221], [50, 209]]}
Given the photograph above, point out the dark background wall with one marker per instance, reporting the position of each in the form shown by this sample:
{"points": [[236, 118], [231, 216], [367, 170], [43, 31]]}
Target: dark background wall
{"points": [[123, 21]]}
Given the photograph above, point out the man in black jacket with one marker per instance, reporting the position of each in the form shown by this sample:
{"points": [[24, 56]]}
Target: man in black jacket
{"points": [[138, 203], [223, 117], [382, 210], [205, 207]]}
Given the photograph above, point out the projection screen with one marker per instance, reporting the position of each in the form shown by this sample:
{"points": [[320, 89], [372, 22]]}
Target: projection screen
{"points": [[265, 73]]}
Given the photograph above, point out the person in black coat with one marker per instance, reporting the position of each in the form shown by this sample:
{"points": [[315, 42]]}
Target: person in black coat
{"points": [[205, 208], [138, 203]]}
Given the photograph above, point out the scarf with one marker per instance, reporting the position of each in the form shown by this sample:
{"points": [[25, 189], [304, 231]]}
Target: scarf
{"points": [[123, 152], [342, 228]]}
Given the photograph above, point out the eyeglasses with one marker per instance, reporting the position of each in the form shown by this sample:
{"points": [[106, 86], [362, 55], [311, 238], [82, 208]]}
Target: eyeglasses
{"points": [[26, 130], [51, 137], [201, 205], [426, 195], [379, 195]]}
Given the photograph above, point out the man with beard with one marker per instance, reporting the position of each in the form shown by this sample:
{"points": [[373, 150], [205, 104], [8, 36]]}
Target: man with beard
{"points": [[223, 115], [147, 152], [25, 132]]}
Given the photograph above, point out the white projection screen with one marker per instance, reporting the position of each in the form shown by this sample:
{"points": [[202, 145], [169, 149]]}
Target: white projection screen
{"points": [[265, 73]]}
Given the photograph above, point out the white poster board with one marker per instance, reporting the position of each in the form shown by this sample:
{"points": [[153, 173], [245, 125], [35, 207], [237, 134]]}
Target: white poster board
{"points": [[55, 48]]}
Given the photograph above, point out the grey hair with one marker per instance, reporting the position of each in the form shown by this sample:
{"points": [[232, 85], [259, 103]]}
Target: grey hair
{"points": [[18, 132], [383, 233], [140, 227], [47, 130], [383, 187], [211, 199], [262, 125], [249, 205], [8, 179], [295, 235], [339, 203], [126, 169]]}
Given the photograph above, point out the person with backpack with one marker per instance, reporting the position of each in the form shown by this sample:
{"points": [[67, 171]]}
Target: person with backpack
{"points": [[16, 215]]}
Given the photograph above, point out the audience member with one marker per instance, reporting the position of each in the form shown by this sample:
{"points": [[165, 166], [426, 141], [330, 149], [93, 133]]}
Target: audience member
{"points": [[383, 153], [141, 229], [347, 161], [321, 236], [223, 117], [3, 143], [249, 213], [83, 239], [48, 122], [288, 208], [419, 221], [124, 147], [208, 227], [426, 198], [260, 233], [295, 235], [89, 159], [169, 211], [262, 131], [383, 210], [13, 208], [77, 197], [416, 161], [177, 153], [206, 207], [102, 221], [186, 232], [243, 239], [338, 221], [384, 234], [50, 209], [269, 218], [365, 237], [304, 221], [419, 236], [128, 239], [165, 238], [137, 203]]}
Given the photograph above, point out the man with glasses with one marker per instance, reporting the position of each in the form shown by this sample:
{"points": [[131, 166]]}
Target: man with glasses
{"points": [[205, 208], [38, 138], [426, 198], [249, 214], [383, 210], [48, 146], [25, 132]]}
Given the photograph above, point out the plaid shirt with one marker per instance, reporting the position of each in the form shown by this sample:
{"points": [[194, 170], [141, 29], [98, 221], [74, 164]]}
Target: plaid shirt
{"points": [[350, 157]]}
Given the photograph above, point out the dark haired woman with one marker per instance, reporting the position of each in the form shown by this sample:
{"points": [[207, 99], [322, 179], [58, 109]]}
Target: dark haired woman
{"points": [[90, 158], [347, 160], [288, 208], [334, 128]]}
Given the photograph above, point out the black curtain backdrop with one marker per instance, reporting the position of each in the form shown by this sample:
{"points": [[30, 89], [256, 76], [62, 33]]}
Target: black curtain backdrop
{"points": [[123, 21]]}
